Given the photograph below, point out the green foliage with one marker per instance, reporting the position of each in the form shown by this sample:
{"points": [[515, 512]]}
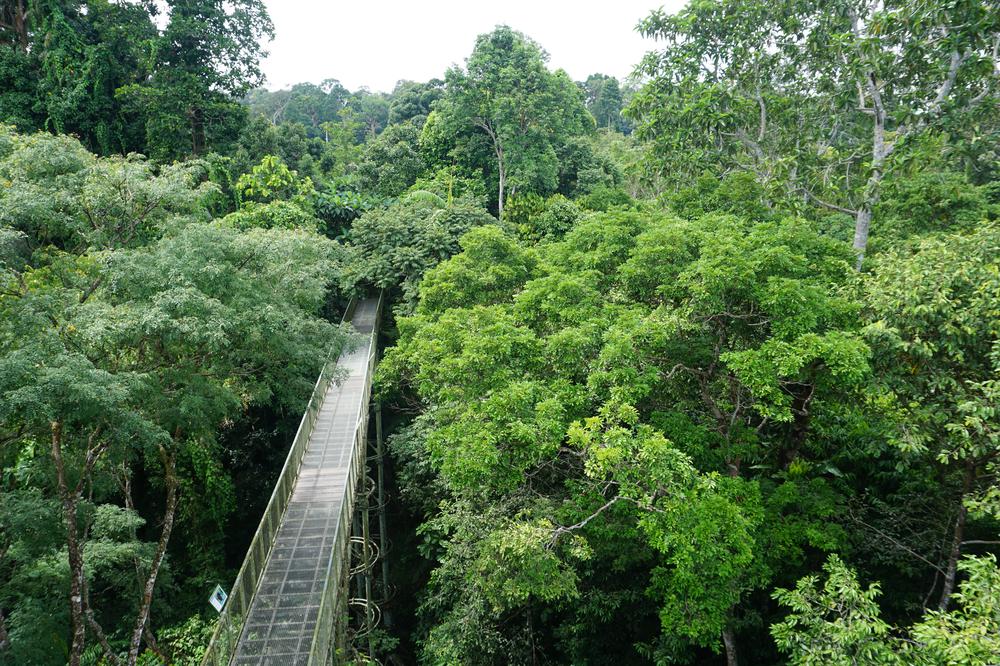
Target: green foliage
{"points": [[64, 63], [840, 622], [132, 330], [518, 210], [392, 161], [397, 245], [559, 216], [517, 563], [207, 56], [412, 101], [648, 402], [339, 208], [819, 101], [450, 184], [969, 634], [18, 93], [585, 167], [930, 202], [603, 199], [59, 194], [537, 219], [271, 181], [605, 101], [278, 214], [732, 327], [737, 193], [936, 333], [186, 643], [507, 115], [490, 267]]}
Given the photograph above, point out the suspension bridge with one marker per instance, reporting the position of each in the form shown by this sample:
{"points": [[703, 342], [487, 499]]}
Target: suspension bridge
{"points": [[311, 563]]}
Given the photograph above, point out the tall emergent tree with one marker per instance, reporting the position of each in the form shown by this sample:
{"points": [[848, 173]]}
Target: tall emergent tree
{"points": [[815, 97], [603, 95], [506, 114], [62, 62], [208, 56]]}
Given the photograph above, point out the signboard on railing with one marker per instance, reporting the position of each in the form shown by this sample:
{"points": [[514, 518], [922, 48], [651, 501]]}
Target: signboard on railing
{"points": [[218, 598]]}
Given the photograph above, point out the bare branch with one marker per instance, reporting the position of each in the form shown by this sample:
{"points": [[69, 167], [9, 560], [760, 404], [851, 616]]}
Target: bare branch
{"points": [[827, 204], [948, 83], [898, 544], [561, 530]]}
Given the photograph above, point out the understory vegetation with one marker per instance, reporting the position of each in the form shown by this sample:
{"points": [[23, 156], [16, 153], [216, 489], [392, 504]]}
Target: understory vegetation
{"points": [[701, 367]]}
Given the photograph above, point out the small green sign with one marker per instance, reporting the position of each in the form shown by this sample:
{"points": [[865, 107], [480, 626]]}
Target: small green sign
{"points": [[218, 598]]}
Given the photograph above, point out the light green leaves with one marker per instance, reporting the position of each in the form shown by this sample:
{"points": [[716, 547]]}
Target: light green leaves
{"points": [[518, 563], [839, 622], [772, 368]]}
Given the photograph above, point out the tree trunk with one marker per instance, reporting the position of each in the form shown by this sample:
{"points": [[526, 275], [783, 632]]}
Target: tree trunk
{"points": [[503, 186], [109, 653], [862, 223], [69, 504], [956, 541], [18, 22], [729, 640], [21, 23], [197, 131], [501, 165], [170, 480], [4, 638], [873, 188], [801, 419]]}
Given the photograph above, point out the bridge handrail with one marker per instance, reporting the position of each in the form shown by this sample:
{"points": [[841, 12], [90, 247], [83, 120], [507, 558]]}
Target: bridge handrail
{"points": [[327, 619], [227, 633]]}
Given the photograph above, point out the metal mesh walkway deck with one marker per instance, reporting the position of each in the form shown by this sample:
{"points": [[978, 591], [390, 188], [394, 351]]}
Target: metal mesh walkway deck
{"points": [[282, 618]]}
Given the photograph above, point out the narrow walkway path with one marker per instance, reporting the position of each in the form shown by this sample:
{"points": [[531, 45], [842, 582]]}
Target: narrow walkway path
{"points": [[282, 617]]}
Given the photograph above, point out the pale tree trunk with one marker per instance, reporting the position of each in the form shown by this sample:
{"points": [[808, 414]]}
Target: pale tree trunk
{"points": [[80, 613], [501, 164], [141, 629], [126, 486], [958, 535], [862, 224], [503, 185], [729, 640], [873, 188], [21, 23]]}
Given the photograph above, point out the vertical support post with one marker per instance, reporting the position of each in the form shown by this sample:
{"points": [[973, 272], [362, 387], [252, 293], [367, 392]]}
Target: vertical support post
{"points": [[367, 555], [382, 527]]}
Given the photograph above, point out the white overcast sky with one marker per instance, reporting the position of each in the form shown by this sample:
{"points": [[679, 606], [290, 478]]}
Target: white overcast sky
{"points": [[375, 43]]}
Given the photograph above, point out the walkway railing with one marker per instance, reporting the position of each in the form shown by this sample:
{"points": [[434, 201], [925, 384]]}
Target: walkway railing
{"points": [[234, 613], [333, 607]]}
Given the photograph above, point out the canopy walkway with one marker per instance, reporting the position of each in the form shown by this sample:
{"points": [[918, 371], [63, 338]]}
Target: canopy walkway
{"points": [[289, 604]]}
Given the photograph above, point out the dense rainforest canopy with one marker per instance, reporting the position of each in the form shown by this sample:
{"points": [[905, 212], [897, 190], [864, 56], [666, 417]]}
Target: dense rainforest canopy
{"points": [[699, 367]]}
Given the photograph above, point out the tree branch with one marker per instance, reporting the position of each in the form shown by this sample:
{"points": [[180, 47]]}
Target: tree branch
{"points": [[948, 83], [170, 480], [827, 204], [898, 544], [561, 530]]}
